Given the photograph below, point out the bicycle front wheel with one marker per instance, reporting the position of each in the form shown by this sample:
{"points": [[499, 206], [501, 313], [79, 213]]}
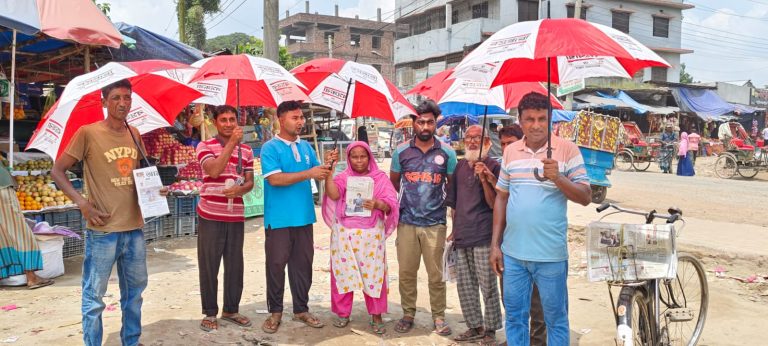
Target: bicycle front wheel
{"points": [[684, 302], [634, 324]]}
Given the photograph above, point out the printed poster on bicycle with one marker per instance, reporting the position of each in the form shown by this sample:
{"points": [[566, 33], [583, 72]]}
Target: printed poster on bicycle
{"points": [[630, 252]]}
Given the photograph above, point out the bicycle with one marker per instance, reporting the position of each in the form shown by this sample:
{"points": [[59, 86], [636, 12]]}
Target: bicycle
{"points": [[661, 311]]}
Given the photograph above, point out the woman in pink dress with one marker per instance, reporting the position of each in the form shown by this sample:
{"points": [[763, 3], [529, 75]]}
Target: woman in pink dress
{"points": [[358, 243]]}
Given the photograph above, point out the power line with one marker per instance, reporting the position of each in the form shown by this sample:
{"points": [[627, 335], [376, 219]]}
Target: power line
{"points": [[218, 14], [225, 18]]}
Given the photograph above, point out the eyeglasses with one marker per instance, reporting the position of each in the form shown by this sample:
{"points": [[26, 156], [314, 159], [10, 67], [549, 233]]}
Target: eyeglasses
{"points": [[473, 139]]}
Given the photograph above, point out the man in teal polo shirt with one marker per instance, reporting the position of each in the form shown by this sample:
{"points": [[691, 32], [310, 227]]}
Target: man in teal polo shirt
{"points": [[288, 164]]}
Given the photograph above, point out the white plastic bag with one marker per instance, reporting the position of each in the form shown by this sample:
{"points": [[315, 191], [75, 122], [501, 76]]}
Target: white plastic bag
{"points": [[449, 262]]}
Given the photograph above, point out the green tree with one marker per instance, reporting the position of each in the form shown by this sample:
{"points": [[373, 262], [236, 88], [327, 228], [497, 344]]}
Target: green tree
{"points": [[104, 7], [230, 42], [255, 47], [191, 17], [685, 77]]}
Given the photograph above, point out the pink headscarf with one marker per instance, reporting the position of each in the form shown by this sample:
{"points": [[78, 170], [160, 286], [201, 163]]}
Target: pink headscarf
{"points": [[382, 189], [683, 145]]}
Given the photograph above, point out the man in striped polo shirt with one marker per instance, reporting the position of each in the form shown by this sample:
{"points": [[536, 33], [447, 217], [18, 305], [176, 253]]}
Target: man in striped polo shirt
{"points": [[222, 218], [532, 215]]}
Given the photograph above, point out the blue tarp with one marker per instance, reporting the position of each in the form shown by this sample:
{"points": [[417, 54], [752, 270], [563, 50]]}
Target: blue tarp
{"points": [[453, 119], [744, 109], [704, 102], [150, 45], [562, 115], [20, 15], [623, 97], [465, 108], [43, 45]]}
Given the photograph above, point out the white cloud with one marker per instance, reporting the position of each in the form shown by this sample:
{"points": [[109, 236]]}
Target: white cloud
{"points": [[727, 45], [366, 9], [153, 15]]}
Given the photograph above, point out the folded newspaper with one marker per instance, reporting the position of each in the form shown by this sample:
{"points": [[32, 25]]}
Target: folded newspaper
{"points": [[628, 252]]}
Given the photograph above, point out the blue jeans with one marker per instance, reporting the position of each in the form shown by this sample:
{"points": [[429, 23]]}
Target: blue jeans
{"points": [[551, 279], [102, 250]]}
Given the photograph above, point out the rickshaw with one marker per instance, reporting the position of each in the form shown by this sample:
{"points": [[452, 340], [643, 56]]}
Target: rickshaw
{"points": [[597, 136], [741, 155], [637, 152], [401, 133]]}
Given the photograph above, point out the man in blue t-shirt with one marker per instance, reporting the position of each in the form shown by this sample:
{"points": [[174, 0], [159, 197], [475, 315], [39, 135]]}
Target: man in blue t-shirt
{"points": [[420, 170], [288, 164]]}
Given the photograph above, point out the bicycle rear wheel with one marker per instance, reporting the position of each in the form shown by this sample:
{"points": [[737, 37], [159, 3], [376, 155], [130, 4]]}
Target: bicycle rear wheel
{"points": [[684, 302], [632, 309]]}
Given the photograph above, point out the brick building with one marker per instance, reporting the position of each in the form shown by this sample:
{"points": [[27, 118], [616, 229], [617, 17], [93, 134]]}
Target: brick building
{"points": [[307, 35]]}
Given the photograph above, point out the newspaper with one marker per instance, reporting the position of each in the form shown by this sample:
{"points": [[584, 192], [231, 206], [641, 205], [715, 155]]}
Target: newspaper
{"points": [[628, 252], [359, 190], [148, 187]]}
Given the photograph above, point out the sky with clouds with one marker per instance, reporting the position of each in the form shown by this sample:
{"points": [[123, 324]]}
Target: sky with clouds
{"points": [[728, 37]]}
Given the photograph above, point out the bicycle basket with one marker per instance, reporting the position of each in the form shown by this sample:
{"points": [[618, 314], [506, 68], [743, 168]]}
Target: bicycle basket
{"points": [[630, 252]]}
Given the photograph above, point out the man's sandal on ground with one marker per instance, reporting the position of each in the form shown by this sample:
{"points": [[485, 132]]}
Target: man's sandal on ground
{"points": [[404, 325], [237, 319], [209, 323], [271, 325], [471, 334], [308, 319]]}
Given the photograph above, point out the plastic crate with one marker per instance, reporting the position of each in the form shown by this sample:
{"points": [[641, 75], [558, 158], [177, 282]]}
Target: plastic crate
{"points": [[71, 219], [74, 246], [151, 230], [171, 204], [167, 227], [167, 174], [186, 225], [186, 205]]}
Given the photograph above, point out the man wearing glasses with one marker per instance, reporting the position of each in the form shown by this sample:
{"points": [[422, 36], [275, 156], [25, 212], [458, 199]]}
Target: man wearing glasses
{"points": [[472, 214], [420, 171]]}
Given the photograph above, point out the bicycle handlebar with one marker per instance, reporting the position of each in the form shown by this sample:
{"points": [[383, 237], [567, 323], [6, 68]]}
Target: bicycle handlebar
{"points": [[674, 215]]}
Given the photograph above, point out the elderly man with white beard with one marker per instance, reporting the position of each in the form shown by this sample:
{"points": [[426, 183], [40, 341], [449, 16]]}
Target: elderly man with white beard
{"points": [[472, 214]]}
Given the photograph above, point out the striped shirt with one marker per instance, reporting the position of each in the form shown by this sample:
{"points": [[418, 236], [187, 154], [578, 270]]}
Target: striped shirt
{"points": [[213, 204], [537, 223]]}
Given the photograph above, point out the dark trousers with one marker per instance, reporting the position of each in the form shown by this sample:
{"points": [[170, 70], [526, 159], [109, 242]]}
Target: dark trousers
{"points": [[538, 327], [292, 246], [215, 240]]}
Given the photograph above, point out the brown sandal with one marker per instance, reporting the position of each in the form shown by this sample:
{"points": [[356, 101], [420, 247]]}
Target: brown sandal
{"points": [[308, 319], [237, 319], [211, 322], [271, 325]]}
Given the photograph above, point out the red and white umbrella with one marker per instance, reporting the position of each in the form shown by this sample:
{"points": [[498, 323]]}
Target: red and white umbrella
{"points": [[577, 48], [444, 90], [156, 101], [352, 88], [555, 51], [244, 80]]}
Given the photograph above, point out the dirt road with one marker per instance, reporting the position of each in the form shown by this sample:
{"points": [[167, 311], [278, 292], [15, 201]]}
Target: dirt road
{"points": [[171, 312]]}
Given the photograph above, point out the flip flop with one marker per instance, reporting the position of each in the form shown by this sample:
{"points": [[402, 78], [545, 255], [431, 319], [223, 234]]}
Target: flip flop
{"points": [[234, 319], [377, 328], [404, 326], [209, 319], [442, 329], [266, 329], [341, 322], [45, 282], [309, 320]]}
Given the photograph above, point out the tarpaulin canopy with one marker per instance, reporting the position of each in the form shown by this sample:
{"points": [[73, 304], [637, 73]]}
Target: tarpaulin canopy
{"points": [[704, 102], [619, 100], [744, 109], [150, 45]]}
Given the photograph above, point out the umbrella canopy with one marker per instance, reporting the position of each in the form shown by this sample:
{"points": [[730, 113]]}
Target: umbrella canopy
{"points": [[257, 81], [578, 49], [76, 20], [466, 96], [156, 102], [352, 88]]}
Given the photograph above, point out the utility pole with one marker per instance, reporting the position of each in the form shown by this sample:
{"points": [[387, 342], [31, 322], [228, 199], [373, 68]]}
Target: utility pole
{"points": [[576, 14], [330, 46], [271, 35]]}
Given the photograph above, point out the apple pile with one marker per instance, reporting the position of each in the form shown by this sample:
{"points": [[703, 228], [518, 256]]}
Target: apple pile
{"points": [[193, 170], [163, 145], [186, 186]]}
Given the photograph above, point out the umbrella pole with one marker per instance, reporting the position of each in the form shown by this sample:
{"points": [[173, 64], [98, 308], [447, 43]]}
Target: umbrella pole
{"points": [[482, 134], [237, 113], [341, 116], [138, 146], [11, 93], [549, 120]]}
